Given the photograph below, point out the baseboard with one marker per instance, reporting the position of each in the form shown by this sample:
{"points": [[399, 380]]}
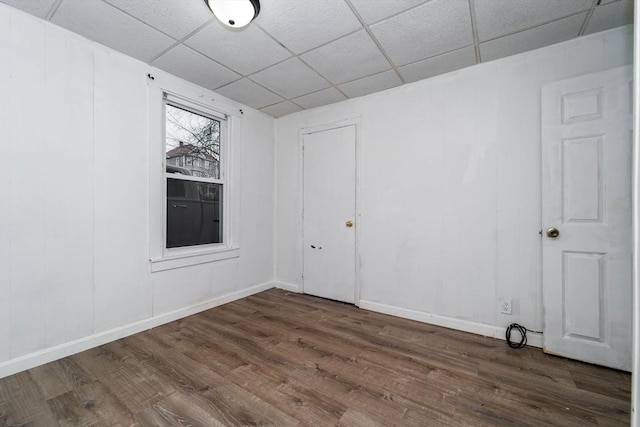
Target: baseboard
{"points": [[534, 340], [50, 354], [288, 287]]}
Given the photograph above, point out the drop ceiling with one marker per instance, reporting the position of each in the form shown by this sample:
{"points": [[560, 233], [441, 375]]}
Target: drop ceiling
{"points": [[301, 54]]}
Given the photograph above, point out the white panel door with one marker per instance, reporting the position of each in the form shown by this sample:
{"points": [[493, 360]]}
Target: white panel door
{"points": [[586, 200], [329, 204]]}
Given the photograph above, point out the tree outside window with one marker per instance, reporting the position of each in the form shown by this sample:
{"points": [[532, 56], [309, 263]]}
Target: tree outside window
{"points": [[193, 142]]}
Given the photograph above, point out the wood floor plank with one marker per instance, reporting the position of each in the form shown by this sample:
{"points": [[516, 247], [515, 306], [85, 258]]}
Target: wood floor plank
{"points": [[177, 409], [574, 399], [136, 387], [60, 376], [593, 383], [354, 418], [90, 404], [302, 401], [22, 402], [100, 361], [279, 358], [228, 402], [262, 375]]}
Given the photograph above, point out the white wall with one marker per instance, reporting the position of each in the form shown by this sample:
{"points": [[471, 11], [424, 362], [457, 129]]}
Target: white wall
{"points": [[450, 189], [74, 196]]}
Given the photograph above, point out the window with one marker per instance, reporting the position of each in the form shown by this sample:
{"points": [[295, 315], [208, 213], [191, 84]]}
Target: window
{"points": [[194, 213], [194, 175]]}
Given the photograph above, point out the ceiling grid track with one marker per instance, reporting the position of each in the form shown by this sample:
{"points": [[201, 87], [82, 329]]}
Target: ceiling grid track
{"points": [[53, 9], [587, 18], [181, 42], [375, 40], [474, 30]]}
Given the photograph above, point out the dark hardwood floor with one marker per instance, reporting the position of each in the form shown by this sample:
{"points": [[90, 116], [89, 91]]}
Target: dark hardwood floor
{"points": [[282, 359]]}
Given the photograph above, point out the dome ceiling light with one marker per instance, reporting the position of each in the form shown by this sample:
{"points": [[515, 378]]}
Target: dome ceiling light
{"points": [[234, 13]]}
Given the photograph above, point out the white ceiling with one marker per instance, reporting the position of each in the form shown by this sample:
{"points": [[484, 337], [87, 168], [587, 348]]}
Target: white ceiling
{"points": [[301, 54]]}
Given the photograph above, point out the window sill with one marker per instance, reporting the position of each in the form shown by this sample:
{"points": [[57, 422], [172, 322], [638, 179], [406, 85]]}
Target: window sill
{"points": [[169, 262]]}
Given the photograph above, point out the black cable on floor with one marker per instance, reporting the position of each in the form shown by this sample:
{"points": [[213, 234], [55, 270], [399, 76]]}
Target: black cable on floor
{"points": [[523, 335]]}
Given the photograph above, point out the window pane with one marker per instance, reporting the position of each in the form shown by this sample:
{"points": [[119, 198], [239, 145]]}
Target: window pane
{"points": [[194, 213], [193, 141], [176, 188]]}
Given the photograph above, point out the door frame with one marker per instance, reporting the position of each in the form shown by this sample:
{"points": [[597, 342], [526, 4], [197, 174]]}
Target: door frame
{"points": [[309, 129]]}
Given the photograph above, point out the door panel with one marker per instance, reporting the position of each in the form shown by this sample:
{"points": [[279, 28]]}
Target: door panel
{"points": [[329, 202], [586, 196], [583, 291], [582, 177]]}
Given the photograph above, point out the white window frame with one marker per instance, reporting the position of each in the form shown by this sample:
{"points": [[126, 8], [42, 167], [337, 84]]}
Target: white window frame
{"points": [[167, 89]]}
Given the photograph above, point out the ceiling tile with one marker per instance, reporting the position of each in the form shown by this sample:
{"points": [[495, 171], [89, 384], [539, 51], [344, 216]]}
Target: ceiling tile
{"points": [[544, 35], [317, 99], [245, 51], [290, 78], [351, 57], [495, 18], [281, 109], [439, 64], [610, 16], [303, 25], [370, 84], [372, 11], [428, 30], [249, 93], [105, 24], [175, 18], [197, 68], [39, 8]]}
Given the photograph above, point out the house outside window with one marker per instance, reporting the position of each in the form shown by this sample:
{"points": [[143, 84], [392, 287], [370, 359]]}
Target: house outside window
{"points": [[188, 156]]}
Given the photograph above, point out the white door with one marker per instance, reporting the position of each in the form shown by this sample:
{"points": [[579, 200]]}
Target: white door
{"points": [[586, 201], [329, 213]]}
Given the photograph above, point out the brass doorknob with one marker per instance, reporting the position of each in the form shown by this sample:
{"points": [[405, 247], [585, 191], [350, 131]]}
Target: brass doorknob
{"points": [[553, 232], [349, 223]]}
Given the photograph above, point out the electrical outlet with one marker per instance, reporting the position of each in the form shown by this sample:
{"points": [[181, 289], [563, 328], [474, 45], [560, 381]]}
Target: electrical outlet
{"points": [[505, 305]]}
